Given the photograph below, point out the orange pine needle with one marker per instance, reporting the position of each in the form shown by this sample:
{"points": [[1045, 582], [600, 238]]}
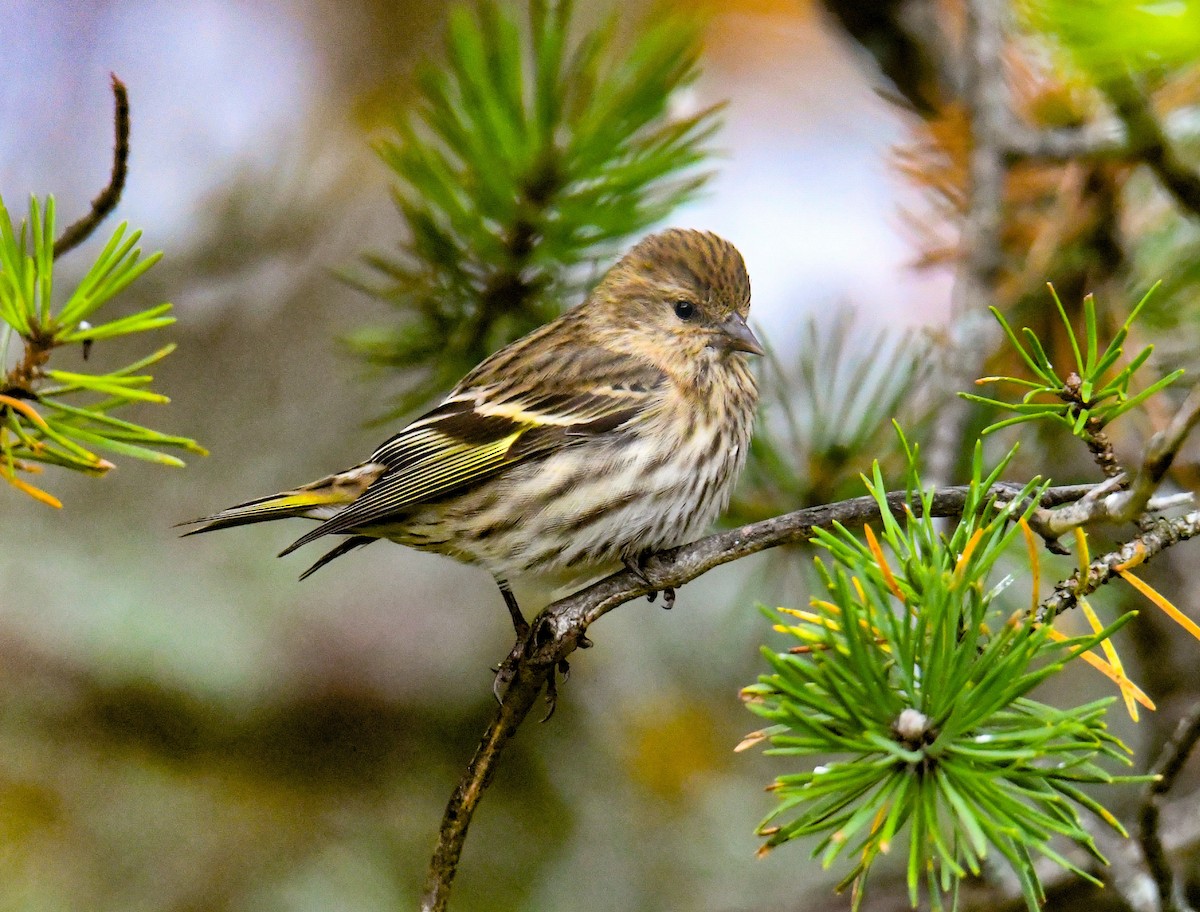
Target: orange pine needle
{"points": [[1109, 672], [1139, 556], [25, 409], [750, 740], [972, 543], [877, 552], [1162, 602], [35, 492]]}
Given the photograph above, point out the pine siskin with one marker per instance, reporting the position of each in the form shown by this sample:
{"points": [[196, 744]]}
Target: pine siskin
{"points": [[613, 432]]}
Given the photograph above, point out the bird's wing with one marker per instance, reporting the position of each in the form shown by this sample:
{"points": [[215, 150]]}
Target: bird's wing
{"points": [[481, 430]]}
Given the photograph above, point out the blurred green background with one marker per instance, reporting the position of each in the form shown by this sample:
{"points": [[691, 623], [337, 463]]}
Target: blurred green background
{"points": [[183, 725]]}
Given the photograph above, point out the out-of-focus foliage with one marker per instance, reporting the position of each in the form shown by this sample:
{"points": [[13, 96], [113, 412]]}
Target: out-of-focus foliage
{"points": [[1111, 38], [525, 160], [819, 431], [58, 417], [916, 680]]}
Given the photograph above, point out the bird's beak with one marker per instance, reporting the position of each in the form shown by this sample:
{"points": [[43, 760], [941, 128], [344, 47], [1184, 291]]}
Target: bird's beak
{"points": [[739, 337]]}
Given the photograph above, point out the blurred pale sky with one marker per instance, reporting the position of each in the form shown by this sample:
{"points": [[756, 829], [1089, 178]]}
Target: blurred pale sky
{"points": [[222, 85]]}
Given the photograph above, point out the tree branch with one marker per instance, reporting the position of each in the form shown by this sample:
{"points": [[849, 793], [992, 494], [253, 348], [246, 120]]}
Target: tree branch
{"points": [[1110, 502], [906, 38], [1153, 540], [107, 199], [1105, 139], [987, 101], [1149, 143], [1167, 770], [560, 628]]}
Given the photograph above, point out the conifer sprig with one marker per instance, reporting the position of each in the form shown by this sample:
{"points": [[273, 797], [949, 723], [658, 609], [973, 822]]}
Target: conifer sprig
{"points": [[527, 156], [914, 687], [1088, 396], [58, 417]]}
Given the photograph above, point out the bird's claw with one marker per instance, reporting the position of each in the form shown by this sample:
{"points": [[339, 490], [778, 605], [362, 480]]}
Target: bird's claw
{"points": [[635, 567], [507, 670], [562, 668]]}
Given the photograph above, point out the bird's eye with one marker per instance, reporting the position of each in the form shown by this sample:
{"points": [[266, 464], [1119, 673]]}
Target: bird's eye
{"points": [[685, 309]]}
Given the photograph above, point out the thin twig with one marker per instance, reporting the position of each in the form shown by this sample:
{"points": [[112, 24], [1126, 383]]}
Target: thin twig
{"points": [[1100, 140], [1150, 143], [560, 628], [1098, 442], [107, 199], [518, 700], [1167, 770]]}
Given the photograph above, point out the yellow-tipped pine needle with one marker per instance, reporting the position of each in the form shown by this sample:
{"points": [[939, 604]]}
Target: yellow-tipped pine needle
{"points": [[880, 815], [25, 409], [1110, 653], [35, 492], [1162, 602], [858, 588], [809, 616], [1035, 564], [877, 552], [1085, 558], [1109, 672]]}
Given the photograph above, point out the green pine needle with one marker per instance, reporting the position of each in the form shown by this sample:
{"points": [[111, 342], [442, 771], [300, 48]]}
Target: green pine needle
{"points": [[37, 422], [1085, 400], [528, 157], [910, 677]]}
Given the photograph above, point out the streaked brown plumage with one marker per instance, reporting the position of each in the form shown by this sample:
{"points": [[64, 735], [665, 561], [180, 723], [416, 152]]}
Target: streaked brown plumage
{"points": [[612, 432]]}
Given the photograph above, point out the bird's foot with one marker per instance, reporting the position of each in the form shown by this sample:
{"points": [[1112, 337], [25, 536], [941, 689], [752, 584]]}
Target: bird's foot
{"points": [[507, 669], [634, 566]]}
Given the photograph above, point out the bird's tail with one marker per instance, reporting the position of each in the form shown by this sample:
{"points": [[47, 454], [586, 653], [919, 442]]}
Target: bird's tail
{"points": [[321, 499]]}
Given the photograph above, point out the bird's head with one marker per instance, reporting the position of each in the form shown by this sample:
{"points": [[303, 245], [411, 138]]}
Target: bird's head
{"points": [[682, 290]]}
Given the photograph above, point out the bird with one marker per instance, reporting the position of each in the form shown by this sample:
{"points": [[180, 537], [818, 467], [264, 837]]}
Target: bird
{"points": [[610, 433]]}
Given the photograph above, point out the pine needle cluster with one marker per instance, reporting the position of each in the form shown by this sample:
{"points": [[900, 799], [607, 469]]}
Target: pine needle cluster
{"points": [[50, 416], [912, 685], [527, 159]]}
